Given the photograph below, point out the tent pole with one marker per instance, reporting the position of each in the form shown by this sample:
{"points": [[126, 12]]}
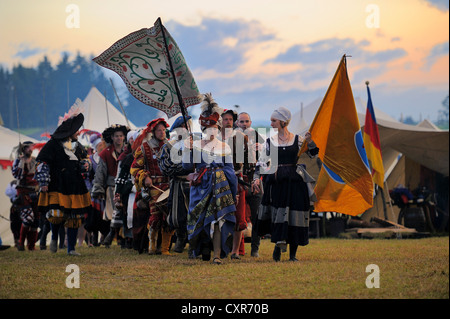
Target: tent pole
{"points": [[120, 104], [106, 107]]}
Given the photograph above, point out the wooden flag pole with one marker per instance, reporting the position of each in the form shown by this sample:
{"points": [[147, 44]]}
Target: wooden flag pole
{"points": [[180, 97]]}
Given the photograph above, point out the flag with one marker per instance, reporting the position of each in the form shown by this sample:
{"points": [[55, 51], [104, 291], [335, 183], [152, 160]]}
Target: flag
{"points": [[372, 143], [344, 184], [150, 71]]}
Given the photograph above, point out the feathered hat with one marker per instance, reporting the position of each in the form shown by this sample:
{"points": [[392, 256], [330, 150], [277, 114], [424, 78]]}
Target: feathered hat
{"points": [[211, 112], [71, 122], [149, 129]]}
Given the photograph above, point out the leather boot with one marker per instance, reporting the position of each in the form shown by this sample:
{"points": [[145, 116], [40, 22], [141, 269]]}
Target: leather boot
{"points": [[31, 239], [23, 235], [153, 236], [180, 244], [109, 238], [165, 244]]}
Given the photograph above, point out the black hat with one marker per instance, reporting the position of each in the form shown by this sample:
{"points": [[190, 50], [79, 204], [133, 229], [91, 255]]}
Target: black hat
{"points": [[232, 113], [69, 127], [107, 133]]}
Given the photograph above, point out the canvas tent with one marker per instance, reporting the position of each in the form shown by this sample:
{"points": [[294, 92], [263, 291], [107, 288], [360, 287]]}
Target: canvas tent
{"points": [[407, 150], [99, 113], [8, 140]]}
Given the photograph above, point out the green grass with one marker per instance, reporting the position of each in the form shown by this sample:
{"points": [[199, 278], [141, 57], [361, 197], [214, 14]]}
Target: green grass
{"points": [[327, 268]]}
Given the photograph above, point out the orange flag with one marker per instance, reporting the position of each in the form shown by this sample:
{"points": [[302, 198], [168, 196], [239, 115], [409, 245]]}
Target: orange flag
{"points": [[344, 184]]}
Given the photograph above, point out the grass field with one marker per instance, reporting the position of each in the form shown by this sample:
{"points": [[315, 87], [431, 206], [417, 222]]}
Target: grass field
{"points": [[327, 268]]}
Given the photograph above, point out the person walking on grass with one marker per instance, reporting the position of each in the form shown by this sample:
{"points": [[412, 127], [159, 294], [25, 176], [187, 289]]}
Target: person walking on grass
{"points": [[63, 193], [213, 196], [23, 171], [285, 206]]}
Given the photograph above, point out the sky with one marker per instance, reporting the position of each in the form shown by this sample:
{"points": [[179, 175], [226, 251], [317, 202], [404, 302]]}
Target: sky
{"points": [[259, 54]]}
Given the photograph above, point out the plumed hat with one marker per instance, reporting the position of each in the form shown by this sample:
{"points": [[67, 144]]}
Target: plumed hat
{"points": [[211, 112], [149, 129], [70, 123]]}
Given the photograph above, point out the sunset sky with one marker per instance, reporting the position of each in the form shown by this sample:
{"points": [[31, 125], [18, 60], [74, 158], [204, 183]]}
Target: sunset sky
{"points": [[260, 54]]}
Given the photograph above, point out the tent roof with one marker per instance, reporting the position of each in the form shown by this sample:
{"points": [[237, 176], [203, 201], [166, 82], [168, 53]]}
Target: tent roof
{"points": [[426, 146], [427, 124], [300, 125], [99, 113], [10, 139]]}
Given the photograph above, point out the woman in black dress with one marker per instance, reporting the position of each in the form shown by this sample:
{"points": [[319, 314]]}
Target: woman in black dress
{"points": [[284, 210]]}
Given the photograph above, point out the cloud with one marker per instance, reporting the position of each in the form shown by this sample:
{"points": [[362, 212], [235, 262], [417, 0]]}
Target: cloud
{"points": [[439, 50], [26, 51], [218, 44], [329, 50], [442, 5]]}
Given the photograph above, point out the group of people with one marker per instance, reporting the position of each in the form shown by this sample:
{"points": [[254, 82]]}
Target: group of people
{"points": [[156, 187]]}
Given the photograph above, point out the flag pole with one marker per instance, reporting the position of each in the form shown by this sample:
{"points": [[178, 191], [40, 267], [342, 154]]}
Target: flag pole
{"points": [[180, 97], [17, 114]]}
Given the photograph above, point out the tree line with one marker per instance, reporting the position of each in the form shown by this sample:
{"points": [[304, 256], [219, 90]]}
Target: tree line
{"points": [[39, 95]]}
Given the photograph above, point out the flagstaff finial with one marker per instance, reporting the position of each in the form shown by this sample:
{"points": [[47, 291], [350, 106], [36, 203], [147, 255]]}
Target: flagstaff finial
{"points": [[367, 82]]}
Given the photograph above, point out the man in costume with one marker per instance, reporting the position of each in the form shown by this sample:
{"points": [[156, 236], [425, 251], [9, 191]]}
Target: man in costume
{"points": [[105, 174], [253, 195], [23, 171], [170, 164], [238, 143], [150, 184], [63, 193], [123, 192]]}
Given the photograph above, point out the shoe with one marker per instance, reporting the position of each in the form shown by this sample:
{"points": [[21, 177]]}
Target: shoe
{"points": [[20, 247], [179, 245], [254, 253], [234, 256], [293, 259], [43, 247], [276, 254], [53, 246], [217, 261], [282, 245], [4, 247], [73, 253]]}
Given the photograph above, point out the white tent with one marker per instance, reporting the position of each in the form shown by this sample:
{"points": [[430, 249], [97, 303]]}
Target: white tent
{"points": [[99, 113], [8, 140]]}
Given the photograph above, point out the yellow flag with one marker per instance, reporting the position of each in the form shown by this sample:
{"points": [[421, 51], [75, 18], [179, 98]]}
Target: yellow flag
{"points": [[344, 184]]}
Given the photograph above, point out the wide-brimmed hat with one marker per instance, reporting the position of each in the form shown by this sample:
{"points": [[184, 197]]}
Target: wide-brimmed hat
{"points": [[69, 127], [109, 132], [71, 122], [232, 113]]}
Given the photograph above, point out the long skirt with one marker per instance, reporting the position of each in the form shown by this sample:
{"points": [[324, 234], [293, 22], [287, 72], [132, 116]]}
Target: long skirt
{"points": [[284, 210], [212, 203]]}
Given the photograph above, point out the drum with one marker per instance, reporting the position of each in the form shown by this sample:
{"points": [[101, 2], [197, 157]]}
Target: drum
{"points": [[161, 202]]}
